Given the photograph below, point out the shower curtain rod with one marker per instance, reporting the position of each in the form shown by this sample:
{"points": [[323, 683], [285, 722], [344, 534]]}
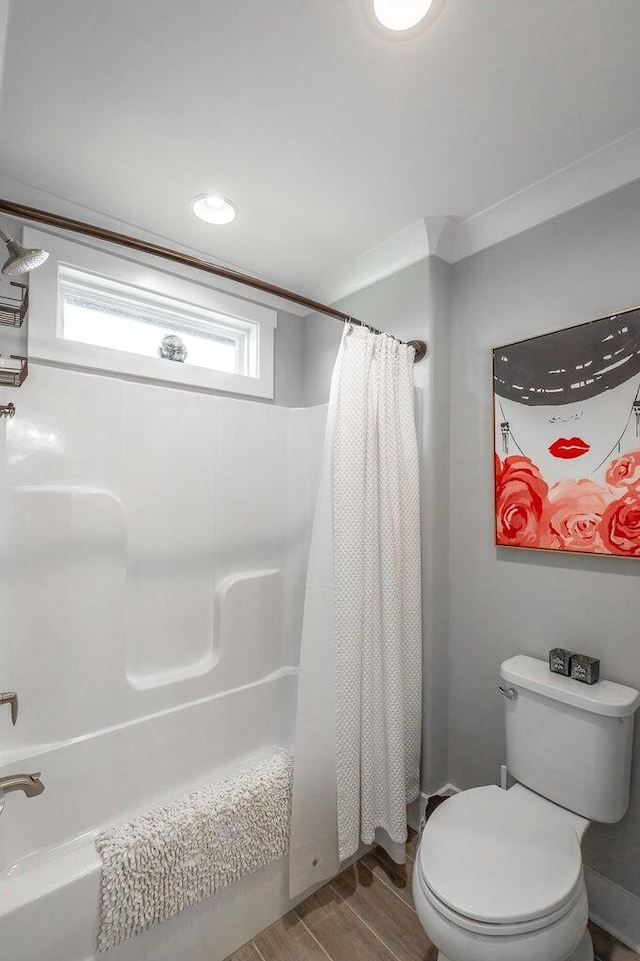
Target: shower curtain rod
{"points": [[101, 233]]}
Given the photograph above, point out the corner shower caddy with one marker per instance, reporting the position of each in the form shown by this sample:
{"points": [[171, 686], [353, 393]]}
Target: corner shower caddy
{"points": [[13, 313]]}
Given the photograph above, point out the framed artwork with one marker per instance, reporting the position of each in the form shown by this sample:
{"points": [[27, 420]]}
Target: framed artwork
{"points": [[567, 439]]}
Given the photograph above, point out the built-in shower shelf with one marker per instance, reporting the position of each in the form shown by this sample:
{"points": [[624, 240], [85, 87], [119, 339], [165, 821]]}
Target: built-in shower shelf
{"points": [[143, 682], [13, 310]]}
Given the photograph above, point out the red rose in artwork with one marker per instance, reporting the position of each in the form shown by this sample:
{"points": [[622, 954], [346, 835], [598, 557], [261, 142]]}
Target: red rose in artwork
{"points": [[576, 508], [620, 525], [624, 471], [521, 498]]}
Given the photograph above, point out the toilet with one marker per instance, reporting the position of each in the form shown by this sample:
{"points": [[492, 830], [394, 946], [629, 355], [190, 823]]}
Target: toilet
{"points": [[498, 873]]}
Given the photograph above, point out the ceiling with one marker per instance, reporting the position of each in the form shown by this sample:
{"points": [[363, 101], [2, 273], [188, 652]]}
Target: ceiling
{"points": [[328, 136]]}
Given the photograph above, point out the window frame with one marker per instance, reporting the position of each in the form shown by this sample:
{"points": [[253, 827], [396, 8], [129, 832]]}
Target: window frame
{"points": [[47, 345]]}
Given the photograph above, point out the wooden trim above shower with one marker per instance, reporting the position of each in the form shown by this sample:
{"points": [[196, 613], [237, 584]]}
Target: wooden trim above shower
{"points": [[187, 260]]}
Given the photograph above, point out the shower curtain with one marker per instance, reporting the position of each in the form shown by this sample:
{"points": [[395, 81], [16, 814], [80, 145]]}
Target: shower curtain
{"points": [[357, 744]]}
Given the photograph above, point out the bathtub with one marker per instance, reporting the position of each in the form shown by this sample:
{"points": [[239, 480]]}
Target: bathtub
{"points": [[49, 870]]}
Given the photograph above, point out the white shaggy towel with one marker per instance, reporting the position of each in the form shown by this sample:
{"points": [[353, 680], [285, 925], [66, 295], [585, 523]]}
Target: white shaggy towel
{"points": [[179, 853]]}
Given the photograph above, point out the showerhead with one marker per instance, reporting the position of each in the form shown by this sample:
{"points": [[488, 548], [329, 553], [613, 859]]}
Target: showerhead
{"points": [[21, 259]]}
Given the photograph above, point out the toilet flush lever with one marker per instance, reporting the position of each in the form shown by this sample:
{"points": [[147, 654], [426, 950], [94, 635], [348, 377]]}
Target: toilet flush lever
{"points": [[10, 697], [509, 692]]}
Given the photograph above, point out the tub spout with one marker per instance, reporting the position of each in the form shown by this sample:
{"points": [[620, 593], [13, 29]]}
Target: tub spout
{"points": [[29, 783]]}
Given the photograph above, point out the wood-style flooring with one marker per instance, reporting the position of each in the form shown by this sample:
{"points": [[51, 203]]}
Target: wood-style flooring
{"points": [[364, 914]]}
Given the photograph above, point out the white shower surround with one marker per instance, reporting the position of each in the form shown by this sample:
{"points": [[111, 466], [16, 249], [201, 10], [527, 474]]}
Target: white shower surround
{"points": [[151, 598]]}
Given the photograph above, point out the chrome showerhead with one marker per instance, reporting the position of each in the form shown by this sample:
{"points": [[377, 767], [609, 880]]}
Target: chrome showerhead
{"points": [[21, 259]]}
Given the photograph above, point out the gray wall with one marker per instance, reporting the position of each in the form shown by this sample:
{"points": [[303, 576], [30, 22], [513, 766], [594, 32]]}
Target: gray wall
{"points": [[321, 340], [288, 361], [413, 303], [581, 266]]}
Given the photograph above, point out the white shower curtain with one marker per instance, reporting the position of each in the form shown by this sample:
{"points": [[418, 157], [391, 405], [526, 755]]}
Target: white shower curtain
{"points": [[357, 745]]}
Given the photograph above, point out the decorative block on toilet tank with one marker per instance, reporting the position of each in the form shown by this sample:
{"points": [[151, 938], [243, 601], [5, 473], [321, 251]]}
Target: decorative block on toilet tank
{"points": [[560, 661], [585, 668], [567, 439]]}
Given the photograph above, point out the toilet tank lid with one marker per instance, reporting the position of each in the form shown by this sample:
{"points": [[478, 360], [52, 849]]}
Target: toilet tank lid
{"points": [[605, 697]]}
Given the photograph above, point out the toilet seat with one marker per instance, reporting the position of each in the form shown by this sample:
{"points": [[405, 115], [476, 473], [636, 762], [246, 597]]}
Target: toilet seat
{"points": [[460, 939], [500, 862], [509, 929]]}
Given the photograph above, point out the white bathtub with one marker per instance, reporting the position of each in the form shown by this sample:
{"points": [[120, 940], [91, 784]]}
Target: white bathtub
{"points": [[50, 876]]}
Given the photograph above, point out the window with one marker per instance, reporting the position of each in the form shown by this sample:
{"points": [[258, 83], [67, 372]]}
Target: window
{"points": [[121, 316], [108, 314]]}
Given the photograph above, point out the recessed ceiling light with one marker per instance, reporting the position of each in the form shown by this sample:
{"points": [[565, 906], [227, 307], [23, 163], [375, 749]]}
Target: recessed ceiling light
{"points": [[213, 209], [401, 14]]}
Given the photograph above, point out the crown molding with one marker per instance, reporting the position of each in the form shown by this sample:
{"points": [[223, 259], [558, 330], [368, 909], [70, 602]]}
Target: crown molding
{"points": [[431, 236], [398, 251], [453, 239], [599, 173]]}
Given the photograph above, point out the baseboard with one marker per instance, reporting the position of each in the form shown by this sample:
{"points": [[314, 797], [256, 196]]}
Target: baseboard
{"points": [[614, 908], [415, 811], [448, 790]]}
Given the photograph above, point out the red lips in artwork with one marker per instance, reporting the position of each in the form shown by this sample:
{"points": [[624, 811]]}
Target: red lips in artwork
{"points": [[569, 448]]}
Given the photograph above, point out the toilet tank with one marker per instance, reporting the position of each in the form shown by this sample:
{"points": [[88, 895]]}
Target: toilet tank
{"points": [[568, 741]]}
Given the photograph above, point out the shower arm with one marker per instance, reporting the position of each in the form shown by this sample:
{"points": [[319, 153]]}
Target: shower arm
{"points": [[100, 233]]}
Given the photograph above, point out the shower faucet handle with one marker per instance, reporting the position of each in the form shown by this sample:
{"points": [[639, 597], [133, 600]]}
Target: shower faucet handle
{"points": [[10, 697]]}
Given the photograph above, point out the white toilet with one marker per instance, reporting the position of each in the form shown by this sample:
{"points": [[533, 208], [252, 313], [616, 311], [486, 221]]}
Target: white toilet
{"points": [[498, 874]]}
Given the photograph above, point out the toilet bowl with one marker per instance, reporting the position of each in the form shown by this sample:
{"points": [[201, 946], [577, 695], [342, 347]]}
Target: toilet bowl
{"points": [[498, 877]]}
